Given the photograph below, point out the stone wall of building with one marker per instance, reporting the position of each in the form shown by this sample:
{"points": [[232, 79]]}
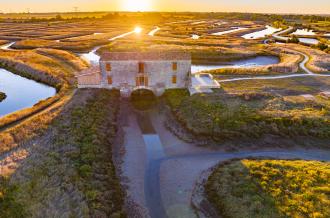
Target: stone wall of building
{"points": [[160, 74]]}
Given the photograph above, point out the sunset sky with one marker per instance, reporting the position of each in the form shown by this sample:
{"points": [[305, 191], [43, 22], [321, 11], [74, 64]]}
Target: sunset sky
{"points": [[260, 6]]}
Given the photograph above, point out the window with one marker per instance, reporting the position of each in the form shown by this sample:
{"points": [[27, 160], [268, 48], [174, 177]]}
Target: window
{"points": [[110, 80], [142, 81], [108, 67], [141, 67], [174, 79], [174, 66]]}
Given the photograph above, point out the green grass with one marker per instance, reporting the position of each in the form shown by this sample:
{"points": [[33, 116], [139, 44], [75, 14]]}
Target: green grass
{"points": [[92, 130], [77, 157], [9, 206], [270, 188], [222, 116]]}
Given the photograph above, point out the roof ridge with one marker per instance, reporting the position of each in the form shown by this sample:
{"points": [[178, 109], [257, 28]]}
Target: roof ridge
{"points": [[146, 55]]}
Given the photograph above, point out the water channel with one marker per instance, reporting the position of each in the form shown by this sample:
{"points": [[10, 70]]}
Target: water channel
{"points": [[21, 92]]}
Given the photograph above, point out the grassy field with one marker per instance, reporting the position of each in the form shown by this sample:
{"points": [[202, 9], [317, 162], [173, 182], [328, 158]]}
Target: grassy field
{"points": [[71, 164], [250, 113], [207, 51], [2, 96], [270, 188], [290, 86]]}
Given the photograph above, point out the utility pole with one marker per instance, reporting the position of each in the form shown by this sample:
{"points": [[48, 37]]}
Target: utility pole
{"points": [[75, 9]]}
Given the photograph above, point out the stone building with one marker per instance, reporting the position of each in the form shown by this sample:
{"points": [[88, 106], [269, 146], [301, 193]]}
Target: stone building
{"points": [[155, 71], [129, 71]]}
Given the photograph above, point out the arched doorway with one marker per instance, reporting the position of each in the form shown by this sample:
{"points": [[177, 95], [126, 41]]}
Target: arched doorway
{"points": [[143, 98]]}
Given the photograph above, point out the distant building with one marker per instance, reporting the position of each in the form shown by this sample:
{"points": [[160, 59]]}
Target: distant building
{"points": [[155, 71]]}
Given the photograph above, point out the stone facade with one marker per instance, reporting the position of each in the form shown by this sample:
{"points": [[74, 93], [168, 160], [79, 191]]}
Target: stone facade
{"points": [[153, 71]]}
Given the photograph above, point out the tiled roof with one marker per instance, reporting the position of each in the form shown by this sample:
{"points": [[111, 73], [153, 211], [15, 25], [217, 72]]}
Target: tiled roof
{"points": [[145, 56], [89, 71]]}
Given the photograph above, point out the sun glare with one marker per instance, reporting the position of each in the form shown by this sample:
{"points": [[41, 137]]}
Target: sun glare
{"points": [[138, 30], [137, 5]]}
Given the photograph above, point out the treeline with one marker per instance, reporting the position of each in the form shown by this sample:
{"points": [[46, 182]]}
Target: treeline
{"points": [[136, 16], [156, 16]]}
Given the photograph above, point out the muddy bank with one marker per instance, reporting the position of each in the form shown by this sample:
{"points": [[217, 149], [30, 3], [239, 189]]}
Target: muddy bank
{"points": [[2, 96], [130, 160]]}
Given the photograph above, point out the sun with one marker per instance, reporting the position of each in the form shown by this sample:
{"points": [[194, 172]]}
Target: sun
{"points": [[137, 5], [138, 30]]}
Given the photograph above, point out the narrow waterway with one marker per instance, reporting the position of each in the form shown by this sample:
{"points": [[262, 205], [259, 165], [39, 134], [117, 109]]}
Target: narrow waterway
{"points": [[21, 92], [154, 152], [232, 30], [262, 33], [93, 58], [154, 31], [161, 170], [7, 46], [245, 63]]}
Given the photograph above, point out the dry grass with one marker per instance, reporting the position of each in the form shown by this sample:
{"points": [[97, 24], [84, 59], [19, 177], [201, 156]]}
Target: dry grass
{"points": [[69, 59], [319, 60], [3, 42], [205, 51], [289, 86], [77, 46], [31, 127], [270, 188]]}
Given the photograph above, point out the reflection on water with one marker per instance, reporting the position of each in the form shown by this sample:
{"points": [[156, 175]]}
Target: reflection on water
{"points": [[303, 32], [261, 34], [94, 58], [154, 152], [195, 36], [21, 92], [234, 29], [7, 46], [309, 41], [250, 62]]}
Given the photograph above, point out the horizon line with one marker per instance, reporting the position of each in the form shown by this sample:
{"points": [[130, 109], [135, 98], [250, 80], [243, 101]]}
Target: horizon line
{"points": [[151, 11]]}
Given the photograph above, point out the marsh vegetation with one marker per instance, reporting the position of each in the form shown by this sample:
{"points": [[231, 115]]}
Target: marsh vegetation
{"points": [[270, 188], [250, 113]]}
